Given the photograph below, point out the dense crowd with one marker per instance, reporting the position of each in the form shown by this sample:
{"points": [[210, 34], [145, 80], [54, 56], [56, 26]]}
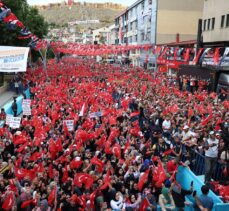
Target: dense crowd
{"points": [[132, 129]]}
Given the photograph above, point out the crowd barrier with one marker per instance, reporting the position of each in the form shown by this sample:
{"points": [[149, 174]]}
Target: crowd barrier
{"points": [[8, 108], [185, 176], [199, 167]]}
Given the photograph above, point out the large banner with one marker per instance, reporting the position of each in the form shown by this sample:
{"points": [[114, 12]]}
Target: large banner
{"points": [[13, 59]]}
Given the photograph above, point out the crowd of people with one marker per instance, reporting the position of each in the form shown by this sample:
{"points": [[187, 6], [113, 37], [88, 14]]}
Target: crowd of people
{"points": [[102, 137]]}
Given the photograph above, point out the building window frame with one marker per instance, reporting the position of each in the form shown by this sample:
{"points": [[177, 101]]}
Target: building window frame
{"points": [[209, 24], [204, 25], [213, 24], [222, 21], [227, 21]]}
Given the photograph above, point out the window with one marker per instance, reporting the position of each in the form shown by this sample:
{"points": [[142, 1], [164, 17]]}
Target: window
{"points": [[142, 36], [148, 36], [204, 27], [142, 5], [213, 23], [209, 22], [133, 39], [130, 14], [136, 38], [222, 21], [150, 2], [227, 21]]}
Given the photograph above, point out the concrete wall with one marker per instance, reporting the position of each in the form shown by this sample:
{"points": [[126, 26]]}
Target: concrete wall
{"points": [[215, 9], [178, 16]]}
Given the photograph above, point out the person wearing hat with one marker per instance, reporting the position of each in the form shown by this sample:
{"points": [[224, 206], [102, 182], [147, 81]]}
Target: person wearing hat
{"points": [[211, 155]]}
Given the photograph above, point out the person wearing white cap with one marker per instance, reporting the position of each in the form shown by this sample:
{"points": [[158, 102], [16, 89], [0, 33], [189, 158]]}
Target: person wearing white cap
{"points": [[211, 155], [187, 134]]}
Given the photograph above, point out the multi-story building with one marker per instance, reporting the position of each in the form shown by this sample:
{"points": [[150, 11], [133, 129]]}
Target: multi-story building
{"points": [[213, 37], [215, 23], [112, 35], [158, 22]]}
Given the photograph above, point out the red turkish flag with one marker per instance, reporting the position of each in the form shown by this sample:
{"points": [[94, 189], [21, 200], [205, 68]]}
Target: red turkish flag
{"points": [[27, 203], [216, 56], [116, 149], [52, 196], [196, 59], [135, 113], [187, 55], [65, 175], [74, 164], [82, 201], [50, 171], [59, 145], [106, 181], [8, 202], [168, 152], [144, 205], [92, 199], [159, 175], [127, 145], [143, 179], [112, 121], [35, 156], [83, 178], [66, 132], [52, 146], [107, 148], [98, 163], [174, 108], [190, 112], [40, 167], [20, 173], [101, 141]]}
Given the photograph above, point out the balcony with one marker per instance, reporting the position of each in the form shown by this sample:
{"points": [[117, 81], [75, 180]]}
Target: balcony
{"points": [[132, 33], [132, 19]]}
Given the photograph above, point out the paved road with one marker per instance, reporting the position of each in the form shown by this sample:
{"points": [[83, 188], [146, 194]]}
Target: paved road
{"points": [[6, 97]]}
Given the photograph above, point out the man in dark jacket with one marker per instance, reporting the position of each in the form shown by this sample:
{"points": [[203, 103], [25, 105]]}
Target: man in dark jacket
{"points": [[14, 107]]}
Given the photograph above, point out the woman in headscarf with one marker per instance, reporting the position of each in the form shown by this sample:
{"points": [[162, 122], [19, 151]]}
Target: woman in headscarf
{"points": [[166, 200], [117, 203]]}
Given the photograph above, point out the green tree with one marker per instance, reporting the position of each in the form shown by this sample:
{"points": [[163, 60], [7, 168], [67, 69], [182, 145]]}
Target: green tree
{"points": [[29, 16]]}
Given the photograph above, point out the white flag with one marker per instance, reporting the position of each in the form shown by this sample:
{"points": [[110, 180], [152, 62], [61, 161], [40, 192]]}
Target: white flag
{"points": [[82, 110]]}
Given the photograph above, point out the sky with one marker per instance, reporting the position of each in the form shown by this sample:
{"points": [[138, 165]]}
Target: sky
{"points": [[124, 2]]}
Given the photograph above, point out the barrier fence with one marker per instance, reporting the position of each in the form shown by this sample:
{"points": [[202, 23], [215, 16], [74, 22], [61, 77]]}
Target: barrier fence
{"points": [[198, 166]]}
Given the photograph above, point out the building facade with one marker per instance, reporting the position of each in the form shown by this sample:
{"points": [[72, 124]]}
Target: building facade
{"points": [[101, 35], [215, 22], [158, 22]]}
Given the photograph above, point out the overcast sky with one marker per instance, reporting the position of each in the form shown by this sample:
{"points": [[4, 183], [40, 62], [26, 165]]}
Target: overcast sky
{"points": [[126, 2]]}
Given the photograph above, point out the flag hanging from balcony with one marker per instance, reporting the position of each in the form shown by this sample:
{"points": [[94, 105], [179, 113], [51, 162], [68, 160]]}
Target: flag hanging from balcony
{"points": [[196, 59], [216, 56]]}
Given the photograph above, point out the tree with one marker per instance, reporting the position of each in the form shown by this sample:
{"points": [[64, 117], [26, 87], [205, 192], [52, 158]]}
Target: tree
{"points": [[29, 16]]}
